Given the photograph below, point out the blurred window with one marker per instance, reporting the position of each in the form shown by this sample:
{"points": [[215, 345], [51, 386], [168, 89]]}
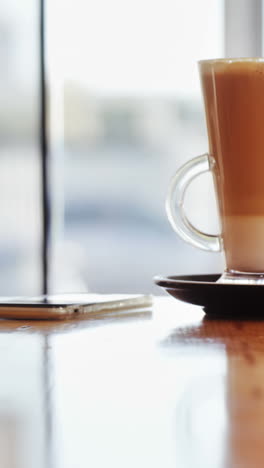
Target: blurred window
{"points": [[125, 112], [19, 153], [133, 113]]}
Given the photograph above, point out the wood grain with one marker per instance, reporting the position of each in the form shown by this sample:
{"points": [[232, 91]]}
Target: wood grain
{"points": [[164, 388]]}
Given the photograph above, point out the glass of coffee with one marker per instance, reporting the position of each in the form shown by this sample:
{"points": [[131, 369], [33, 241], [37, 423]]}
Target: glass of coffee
{"points": [[233, 91]]}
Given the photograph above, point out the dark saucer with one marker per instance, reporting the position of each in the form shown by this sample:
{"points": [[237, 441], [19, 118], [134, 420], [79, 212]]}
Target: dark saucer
{"points": [[217, 300]]}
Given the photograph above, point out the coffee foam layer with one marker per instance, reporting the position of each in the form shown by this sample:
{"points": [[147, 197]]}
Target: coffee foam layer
{"points": [[232, 65]]}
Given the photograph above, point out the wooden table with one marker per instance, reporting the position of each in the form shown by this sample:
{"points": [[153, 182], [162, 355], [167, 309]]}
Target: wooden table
{"points": [[161, 389]]}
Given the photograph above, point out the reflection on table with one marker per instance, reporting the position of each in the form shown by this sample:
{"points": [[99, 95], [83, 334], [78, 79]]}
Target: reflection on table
{"points": [[166, 388]]}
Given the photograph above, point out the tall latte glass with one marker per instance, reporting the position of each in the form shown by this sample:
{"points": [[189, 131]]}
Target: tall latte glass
{"points": [[233, 91]]}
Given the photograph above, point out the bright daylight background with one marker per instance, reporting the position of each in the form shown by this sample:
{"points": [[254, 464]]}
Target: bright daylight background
{"points": [[126, 112]]}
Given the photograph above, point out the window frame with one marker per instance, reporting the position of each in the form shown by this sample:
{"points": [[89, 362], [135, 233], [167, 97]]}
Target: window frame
{"points": [[243, 28]]}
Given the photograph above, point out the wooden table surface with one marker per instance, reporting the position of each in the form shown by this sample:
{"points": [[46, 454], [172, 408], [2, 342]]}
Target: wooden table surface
{"points": [[166, 388]]}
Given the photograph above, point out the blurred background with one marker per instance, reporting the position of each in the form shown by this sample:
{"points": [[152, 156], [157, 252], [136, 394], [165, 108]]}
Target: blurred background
{"points": [[125, 111]]}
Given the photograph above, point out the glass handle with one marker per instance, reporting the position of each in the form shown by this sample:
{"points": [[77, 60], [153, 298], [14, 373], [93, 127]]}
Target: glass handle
{"points": [[175, 205]]}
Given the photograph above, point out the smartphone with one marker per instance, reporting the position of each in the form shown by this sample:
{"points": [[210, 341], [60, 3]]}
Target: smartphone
{"points": [[63, 306]]}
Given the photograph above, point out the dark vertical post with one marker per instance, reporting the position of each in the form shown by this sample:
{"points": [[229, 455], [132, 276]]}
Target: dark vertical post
{"points": [[44, 153]]}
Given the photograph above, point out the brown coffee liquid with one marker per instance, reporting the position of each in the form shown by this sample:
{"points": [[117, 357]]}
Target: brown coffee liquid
{"points": [[234, 104]]}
